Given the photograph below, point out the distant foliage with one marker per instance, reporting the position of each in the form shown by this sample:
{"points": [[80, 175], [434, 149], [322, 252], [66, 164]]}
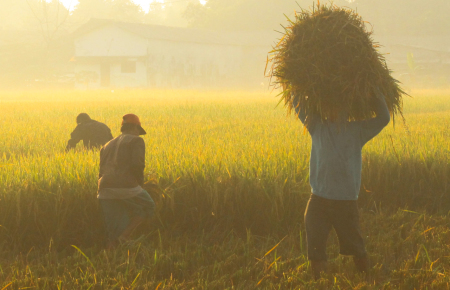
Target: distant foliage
{"points": [[405, 17], [120, 10], [242, 14]]}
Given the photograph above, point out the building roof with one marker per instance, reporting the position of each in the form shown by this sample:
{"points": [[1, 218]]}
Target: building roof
{"points": [[179, 34]]}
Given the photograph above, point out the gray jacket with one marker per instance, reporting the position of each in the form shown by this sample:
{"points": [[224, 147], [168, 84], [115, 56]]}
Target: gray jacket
{"points": [[122, 163]]}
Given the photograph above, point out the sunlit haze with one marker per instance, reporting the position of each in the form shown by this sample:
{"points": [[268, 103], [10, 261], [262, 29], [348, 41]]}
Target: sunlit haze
{"points": [[217, 144], [145, 4]]}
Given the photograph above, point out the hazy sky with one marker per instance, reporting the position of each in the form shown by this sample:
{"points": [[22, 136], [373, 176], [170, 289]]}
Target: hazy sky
{"points": [[144, 3]]}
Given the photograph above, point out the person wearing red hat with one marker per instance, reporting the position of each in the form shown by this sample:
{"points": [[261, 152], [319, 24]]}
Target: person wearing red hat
{"points": [[125, 204]]}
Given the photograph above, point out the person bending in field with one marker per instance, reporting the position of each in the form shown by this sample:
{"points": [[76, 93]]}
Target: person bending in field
{"points": [[335, 178], [125, 204], [93, 133]]}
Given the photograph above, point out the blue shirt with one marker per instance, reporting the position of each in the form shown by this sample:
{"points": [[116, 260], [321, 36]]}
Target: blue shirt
{"points": [[336, 162]]}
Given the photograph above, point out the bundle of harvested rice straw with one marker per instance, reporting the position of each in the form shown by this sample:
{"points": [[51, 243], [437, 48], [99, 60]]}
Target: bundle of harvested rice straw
{"points": [[327, 64]]}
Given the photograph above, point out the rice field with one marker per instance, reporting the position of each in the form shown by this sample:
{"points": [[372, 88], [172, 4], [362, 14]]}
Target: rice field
{"points": [[231, 175]]}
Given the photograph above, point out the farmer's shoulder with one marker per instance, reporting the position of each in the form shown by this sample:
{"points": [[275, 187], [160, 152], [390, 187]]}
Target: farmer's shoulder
{"points": [[99, 124], [138, 140], [135, 140], [137, 143], [111, 144], [80, 131]]}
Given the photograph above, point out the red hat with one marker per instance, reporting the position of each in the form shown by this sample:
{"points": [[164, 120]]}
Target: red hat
{"points": [[133, 119]]}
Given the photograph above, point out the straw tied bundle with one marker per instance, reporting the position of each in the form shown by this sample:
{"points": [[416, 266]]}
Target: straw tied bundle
{"points": [[327, 64]]}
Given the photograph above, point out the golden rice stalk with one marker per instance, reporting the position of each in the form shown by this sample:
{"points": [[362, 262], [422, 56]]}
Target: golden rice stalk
{"points": [[328, 64]]}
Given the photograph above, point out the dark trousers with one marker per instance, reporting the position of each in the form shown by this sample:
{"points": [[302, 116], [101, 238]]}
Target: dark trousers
{"points": [[119, 212], [323, 214]]}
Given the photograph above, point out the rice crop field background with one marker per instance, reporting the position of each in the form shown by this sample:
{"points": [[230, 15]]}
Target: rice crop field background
{"points": [[229, 174]]}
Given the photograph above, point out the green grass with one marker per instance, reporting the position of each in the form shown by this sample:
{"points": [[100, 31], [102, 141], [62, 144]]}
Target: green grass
{"points": [[234, 173]]}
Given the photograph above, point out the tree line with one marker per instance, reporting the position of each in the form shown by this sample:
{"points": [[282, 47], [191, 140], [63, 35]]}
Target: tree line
{"points": [[35, 34], [387, 16]]}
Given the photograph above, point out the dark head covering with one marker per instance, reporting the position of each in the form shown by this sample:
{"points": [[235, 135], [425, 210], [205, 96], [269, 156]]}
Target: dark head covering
{"points": [[83, 117], [133, 119]]}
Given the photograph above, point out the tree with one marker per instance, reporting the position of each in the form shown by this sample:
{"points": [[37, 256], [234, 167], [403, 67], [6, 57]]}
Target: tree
{"points": [[170, 14], [126, 11], [405, 17], [30, 14], [174, 13], [49, 17], [244, 14], [36, 47], [387, 16], [119, 10], [87, 9], [155, 14], [196, 14]]}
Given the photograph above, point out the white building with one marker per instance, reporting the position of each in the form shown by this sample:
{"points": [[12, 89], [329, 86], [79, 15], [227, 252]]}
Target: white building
{"points": [[111, 54]]}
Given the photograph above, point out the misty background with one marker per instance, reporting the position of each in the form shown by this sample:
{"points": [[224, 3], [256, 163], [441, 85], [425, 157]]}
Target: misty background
{"points": [[37, 38]]}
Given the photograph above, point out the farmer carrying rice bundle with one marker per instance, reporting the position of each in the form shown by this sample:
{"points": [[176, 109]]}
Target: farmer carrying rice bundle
{"points": [[332, 76], [124, 202]]}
